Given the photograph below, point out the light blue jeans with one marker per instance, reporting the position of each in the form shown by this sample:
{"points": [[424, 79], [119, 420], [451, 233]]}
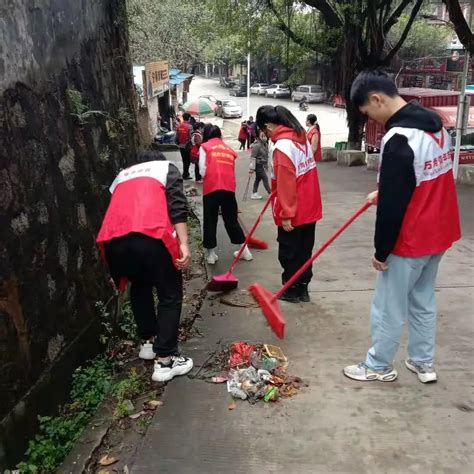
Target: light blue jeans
{"points": [[405, 292]]}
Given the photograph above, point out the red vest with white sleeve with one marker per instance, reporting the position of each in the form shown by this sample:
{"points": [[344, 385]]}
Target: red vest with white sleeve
{"points": [[139, 204], [431, 222], [220, 167], [308, 194]]}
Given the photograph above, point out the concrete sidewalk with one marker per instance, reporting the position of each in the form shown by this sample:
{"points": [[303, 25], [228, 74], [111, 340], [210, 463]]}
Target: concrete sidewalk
{"points": [[335, 425]]}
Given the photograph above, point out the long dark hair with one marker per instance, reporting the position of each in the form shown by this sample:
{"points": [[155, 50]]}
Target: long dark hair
{"points": [[279, 115], [313, 120], [211, 131]]}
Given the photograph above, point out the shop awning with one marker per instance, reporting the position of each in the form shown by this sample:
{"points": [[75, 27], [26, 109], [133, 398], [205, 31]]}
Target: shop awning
{"points": [[179, 78]]}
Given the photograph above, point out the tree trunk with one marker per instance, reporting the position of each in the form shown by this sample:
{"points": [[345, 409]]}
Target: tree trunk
{"points": [[461, 26]]}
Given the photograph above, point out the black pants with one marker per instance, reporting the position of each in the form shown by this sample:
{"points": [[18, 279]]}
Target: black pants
{"points": [[147, 264], [294, 249], [261, 175], [224, 200], [242, 144], [186, 157], [197, 173]]}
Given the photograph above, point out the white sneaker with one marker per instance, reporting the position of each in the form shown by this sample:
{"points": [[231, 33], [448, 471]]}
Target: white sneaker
{"points": [[211, 256], [146, 351], [362, 373], [426, 372], [256, 196], [246, 255], [177, 365]]}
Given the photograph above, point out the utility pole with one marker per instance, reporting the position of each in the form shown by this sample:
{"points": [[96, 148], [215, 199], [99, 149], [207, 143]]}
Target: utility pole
{"points": [[248, 81], [463, 103]]}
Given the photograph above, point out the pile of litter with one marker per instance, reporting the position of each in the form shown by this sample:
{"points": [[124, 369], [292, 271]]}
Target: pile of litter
{"points": [[253, 372]]}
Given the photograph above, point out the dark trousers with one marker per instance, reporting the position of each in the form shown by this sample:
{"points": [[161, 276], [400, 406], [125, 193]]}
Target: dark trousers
{"points": [[197, 173], [250, 140], [242, 144], [261, 175], [225, 201], [147, 264], [294, 249], [186, 157]]}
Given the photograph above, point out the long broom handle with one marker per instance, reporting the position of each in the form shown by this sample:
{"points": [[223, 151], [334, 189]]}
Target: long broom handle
{"points": [[321, 250], [249, 235]]}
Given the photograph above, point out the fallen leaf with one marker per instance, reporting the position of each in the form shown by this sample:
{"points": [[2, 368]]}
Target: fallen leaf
{"points": [[153, 404], [136, 415], [107, 460], [232, 406]]}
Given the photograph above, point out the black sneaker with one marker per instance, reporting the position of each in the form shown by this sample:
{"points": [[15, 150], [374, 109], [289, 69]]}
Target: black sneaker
{"points": [[187, 177], [303, 293], [177, 365], [290, 295]]}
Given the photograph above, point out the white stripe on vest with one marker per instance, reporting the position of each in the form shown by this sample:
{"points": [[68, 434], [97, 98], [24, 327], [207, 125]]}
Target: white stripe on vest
{"points": [[302, 159], [151, 169], [432, 155]]}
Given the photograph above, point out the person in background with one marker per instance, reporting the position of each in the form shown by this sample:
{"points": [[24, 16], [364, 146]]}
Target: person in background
{"points": [[217, 166], [183, 140], [297, 206], [251, 131], [259, 164], [144, 240], [314, 136], [243, 135], [196, 140], [417, 221]]}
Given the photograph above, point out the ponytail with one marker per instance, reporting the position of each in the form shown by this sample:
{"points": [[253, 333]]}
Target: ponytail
{"points": [[278, 115]]}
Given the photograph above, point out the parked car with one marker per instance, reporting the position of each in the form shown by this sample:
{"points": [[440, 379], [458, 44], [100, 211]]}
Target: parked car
{"points": [[259, 88], [228, 109], [311, 93], [277, 90], [210, 98], [226, 82], [239, 90]]}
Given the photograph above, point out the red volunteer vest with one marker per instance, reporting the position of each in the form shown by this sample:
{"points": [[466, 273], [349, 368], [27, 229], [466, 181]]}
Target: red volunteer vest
{"points": [[431, 223], [308, 195], [139, 204], [220, 167], [311, 132]]}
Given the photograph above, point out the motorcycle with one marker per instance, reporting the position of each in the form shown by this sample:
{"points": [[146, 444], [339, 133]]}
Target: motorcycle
{"points": [[164, 136], [303, 106]]}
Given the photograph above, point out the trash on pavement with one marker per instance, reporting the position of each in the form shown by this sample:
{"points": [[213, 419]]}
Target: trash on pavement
{"points": [[254, 372]]}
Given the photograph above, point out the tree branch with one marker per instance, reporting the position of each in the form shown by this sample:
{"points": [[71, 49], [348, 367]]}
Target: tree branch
{"points": [[461, 27], [402, 39], [331, 18], [395, 15], [288, 31]]}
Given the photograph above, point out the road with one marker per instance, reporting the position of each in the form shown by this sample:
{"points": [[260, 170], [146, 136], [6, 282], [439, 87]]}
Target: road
{"points": [[335, 425], [331, 120]]}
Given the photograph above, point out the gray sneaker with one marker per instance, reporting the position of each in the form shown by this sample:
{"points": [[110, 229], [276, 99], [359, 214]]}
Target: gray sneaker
{"points": [[362, 373], [426, 372]]}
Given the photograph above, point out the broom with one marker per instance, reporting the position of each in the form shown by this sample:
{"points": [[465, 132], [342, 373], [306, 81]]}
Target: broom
{"points": [[254, 242], [268, 301], [228, 281]]}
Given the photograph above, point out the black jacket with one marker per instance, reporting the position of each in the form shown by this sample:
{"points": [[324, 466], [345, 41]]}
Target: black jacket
{"points": [[397, 179], [177, 203]]}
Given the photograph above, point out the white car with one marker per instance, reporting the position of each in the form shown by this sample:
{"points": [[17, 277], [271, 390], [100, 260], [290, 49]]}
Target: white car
{"points": [[259, 88], [277, 90], [228, 109], [310, 93]]}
